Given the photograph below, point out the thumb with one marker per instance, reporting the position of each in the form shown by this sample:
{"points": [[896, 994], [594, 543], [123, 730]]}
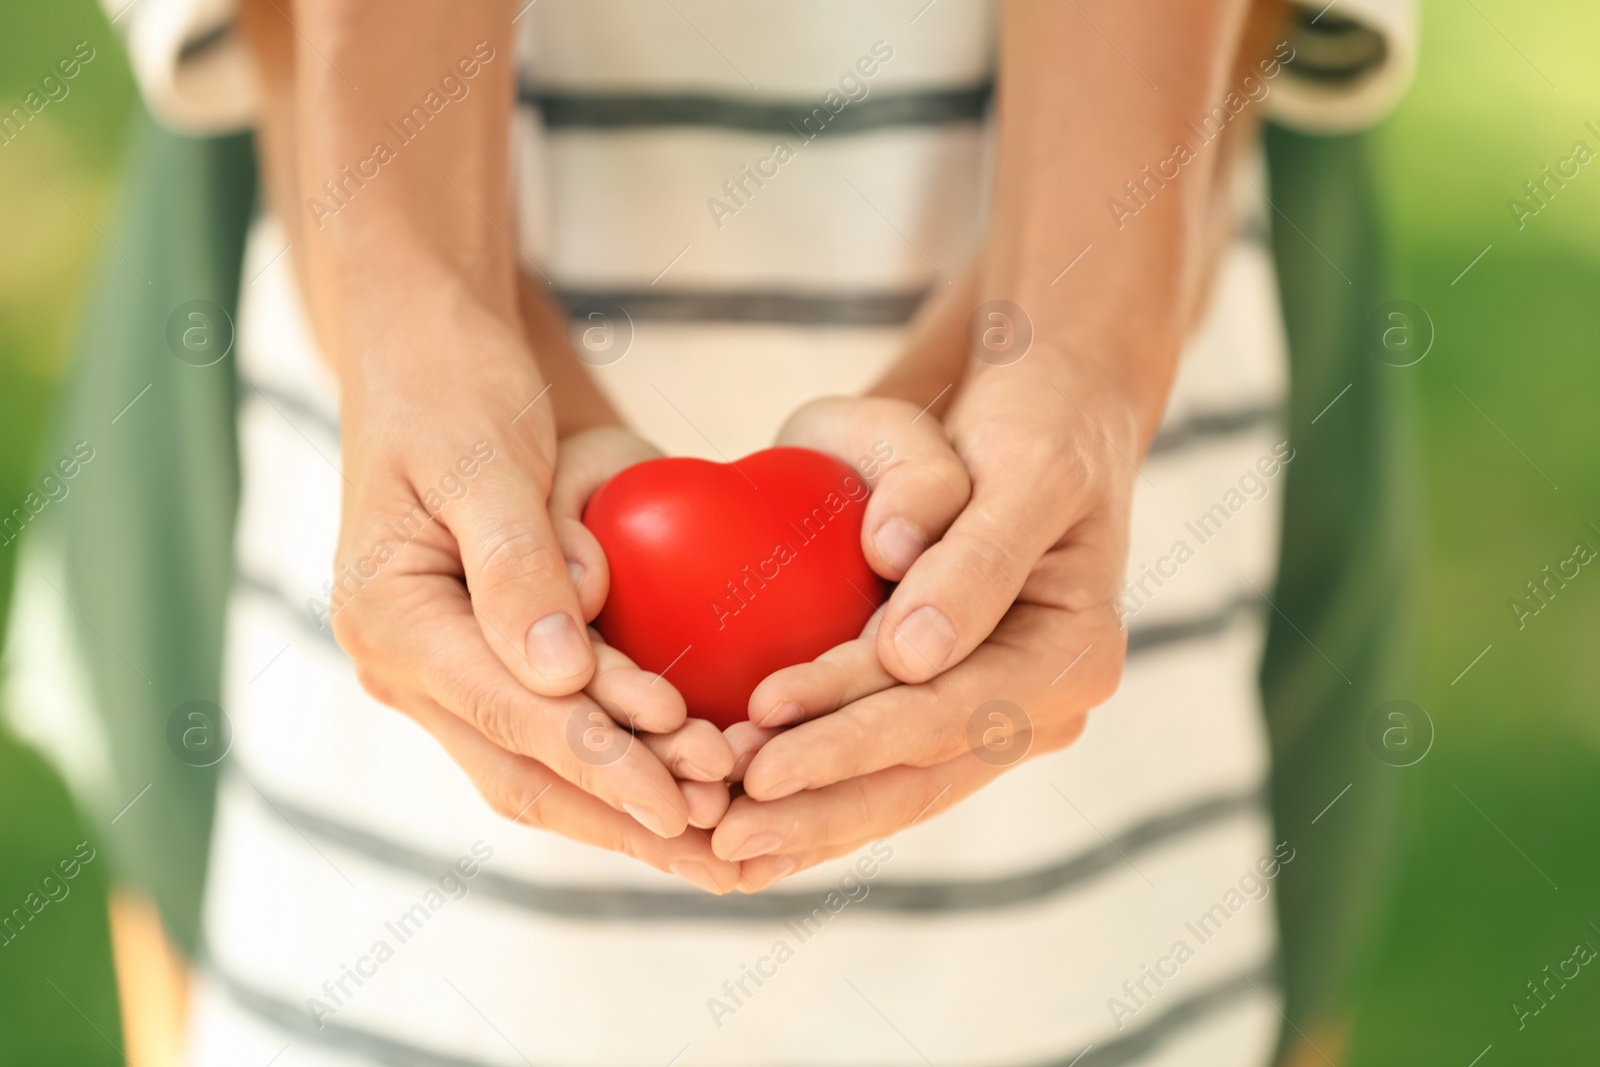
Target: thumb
{"points": [[919, 484], [516, 573]]}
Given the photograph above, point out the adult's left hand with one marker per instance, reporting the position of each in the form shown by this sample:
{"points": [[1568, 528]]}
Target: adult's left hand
{"points": [[1017, 602]]}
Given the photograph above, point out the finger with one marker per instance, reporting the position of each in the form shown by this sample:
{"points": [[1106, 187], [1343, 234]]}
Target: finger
{"points": [[745, 739], [525, 791], [708, 802], [586, 564], [919, 484], [841, 675], [957, 591], [868, 807], [640, 700], [1000, 700], [584, 462], [426, 624], [517, 573], [696, 751], [764, 872]]}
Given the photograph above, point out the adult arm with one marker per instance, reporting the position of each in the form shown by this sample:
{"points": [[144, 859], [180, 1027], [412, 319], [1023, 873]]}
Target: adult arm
{"points": [[1017, 600], [385, 135]]}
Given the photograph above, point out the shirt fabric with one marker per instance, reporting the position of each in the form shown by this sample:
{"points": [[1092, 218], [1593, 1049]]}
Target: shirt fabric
{"points": [[1020, 927]]}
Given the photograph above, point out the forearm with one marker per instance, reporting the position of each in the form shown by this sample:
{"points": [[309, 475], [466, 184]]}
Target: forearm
{"points": [[1078, 119], [422, 233], [579, 403], [395, 195]]}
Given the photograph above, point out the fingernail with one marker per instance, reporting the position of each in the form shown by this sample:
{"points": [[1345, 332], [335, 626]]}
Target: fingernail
{"points": [[761, 844], [899, 543], [647, 819], [782, 715], [556, 648], [784, 789], [696, 874], [925, 639], [577, 571]]}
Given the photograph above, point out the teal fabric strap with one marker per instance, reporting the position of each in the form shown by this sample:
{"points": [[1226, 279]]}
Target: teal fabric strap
{"points": [[148, 536], [1341, 641]]}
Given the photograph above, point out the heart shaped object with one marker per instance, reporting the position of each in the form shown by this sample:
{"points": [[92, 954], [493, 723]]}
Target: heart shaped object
{"points": [[722, 573]]}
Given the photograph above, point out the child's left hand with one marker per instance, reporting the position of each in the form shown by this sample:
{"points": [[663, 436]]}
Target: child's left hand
{"points": [[696, 752]]}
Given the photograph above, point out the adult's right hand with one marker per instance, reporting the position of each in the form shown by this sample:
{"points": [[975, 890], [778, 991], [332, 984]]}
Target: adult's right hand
{"points": [[453, 595], [455, 599]]}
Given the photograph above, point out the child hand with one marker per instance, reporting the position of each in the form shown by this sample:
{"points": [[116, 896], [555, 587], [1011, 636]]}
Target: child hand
{"points": [[919, 485], [693, 749]]}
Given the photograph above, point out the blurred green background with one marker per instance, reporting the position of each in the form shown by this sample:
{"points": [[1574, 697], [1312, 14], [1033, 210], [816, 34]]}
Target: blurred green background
{"points": [[1502, 869]]}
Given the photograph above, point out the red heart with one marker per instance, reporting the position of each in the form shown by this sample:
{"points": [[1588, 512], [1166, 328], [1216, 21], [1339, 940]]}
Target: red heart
{"points": [[726, 572]]}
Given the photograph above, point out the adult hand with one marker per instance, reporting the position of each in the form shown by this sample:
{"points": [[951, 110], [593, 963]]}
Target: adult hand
{"points": [[1016, 603], [453, 595], [464, 604], [918, 487]]}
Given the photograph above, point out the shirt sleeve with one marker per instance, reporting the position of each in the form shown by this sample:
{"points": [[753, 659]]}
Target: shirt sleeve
{"points": [[193, 66], [1352, 61]]}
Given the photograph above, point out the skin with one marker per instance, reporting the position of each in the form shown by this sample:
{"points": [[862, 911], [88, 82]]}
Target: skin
{"points": [[1016, 598], [475, 627], [1004, 516]]}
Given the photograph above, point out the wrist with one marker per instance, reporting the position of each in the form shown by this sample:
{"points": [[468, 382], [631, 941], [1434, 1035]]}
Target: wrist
{"points": [[1120, 395]]}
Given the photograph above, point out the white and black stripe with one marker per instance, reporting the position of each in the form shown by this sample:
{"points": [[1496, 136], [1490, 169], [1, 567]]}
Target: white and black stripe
{"points": [[1115, 1049], [1030, 902]]}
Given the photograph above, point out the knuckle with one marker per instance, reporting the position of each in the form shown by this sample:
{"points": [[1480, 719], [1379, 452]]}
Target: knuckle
{"points": [[853, 813], [375, 687], [494, 719], [355, 633], [518, 556], [987, 563], [849, 739], [1062, 732], [513, 794], [1104, 681], [1055, 460], [626, 841], [948, 470]]}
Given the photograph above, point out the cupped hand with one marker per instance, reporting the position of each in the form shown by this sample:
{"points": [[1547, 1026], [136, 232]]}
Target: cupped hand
{"points": [[454, 598], [1016, 603], [693, 749]]}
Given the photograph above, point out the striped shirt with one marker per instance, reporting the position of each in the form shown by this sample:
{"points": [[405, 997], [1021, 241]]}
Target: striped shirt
{"points": [[757, 204]]}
